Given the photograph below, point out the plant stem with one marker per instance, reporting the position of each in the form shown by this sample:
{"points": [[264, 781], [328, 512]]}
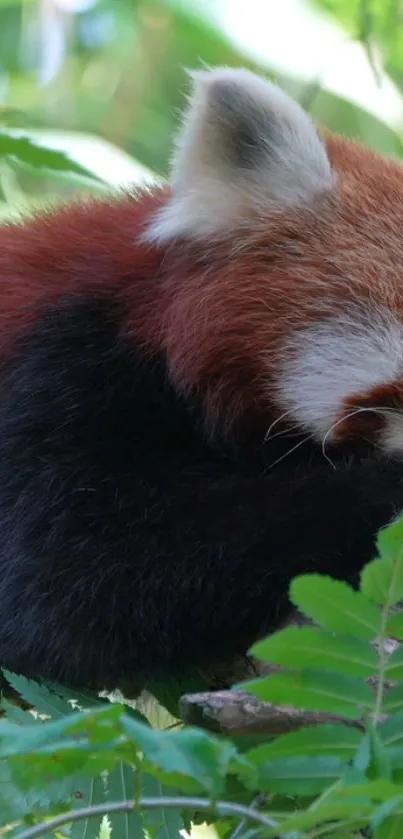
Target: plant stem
{"points": [[325, 794], [221, 808], [382, 658], [257, 802]]}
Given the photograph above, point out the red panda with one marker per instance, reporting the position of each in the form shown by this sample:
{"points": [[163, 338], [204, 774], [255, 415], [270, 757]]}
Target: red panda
{"points": [[257, 297]]}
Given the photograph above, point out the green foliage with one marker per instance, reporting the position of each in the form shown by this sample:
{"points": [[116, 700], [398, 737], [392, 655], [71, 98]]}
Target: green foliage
{"points": [[117, 72], [374, 23], [84, 758], [315, 690], [335, 606], [23, 151], [310, 647]]}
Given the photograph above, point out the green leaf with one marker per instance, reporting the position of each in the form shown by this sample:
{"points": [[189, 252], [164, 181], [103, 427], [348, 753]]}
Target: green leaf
{"points": [[190, 753], [31, 154], [313, 648], [339, 740], [16, 714], [84, 699], [341, 835], [244, 770], [89, 792], [162, 823], [300, 775], [327, 812], [382, 579], [89, 742], [363, 755], [81, 728], [47, 752], [16, 804], [391, 731], [353, 777], [335, 606], [377, 790], [394, 626], [121, 787], [393, 699], [380, 765], [395, 758], [390, 542], [40, 697], [394, 665], [314, 691], [384, 810], [13, 804], [391, 828]]}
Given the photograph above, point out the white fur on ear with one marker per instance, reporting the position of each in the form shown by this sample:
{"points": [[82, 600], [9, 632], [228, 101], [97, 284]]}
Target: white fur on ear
{"points": [[245, 146]]}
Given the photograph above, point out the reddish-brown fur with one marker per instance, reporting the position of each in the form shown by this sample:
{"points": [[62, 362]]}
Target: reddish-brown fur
{"points": [[88, 248], [219, 309], [234, 302]]}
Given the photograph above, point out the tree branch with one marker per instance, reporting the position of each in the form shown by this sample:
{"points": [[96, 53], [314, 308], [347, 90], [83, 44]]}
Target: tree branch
{"points": [[220, 808], [238, 713]]}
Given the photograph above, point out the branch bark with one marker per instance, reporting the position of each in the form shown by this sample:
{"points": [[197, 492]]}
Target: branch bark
{"points": [[238, 713]]}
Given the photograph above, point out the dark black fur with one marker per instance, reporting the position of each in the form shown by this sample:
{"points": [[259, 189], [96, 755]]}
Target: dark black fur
{"points": [[130, 548]]}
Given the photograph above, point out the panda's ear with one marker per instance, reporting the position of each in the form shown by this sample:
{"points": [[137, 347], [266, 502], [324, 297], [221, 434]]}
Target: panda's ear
{"points": [[244, 147]]}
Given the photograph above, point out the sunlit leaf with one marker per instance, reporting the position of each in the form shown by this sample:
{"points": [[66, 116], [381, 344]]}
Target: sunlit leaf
{"points": [[29, 153], [312, 648], [84, 699], [314, 691], [39, 696], [335, 606], [382, 579]]}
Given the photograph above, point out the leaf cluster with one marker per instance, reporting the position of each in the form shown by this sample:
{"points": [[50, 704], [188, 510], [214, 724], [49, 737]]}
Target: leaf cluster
{"points": [[84, 758]]}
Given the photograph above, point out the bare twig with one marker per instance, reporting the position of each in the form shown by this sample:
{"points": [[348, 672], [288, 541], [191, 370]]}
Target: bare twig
{"points": [[259, 801], [221, 808]]}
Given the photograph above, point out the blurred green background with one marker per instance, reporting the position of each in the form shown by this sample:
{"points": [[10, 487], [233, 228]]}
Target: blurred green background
{"points": [[104, 80]]}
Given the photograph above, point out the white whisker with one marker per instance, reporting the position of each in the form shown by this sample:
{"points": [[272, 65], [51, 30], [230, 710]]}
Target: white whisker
{"points": [[276, 421], [290, 431], [290, 451], [342, 419], [380, 409]]}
